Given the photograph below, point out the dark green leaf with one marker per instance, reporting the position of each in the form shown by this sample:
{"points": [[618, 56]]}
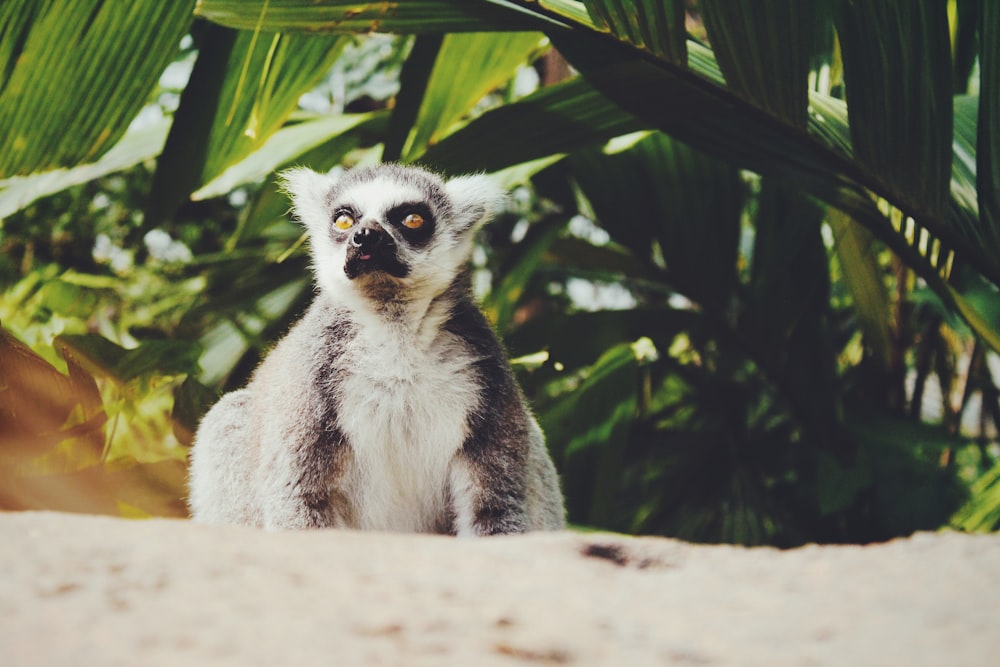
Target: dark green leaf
{"points": [[499, 305], [559, 333], [413, 81], [587, 428], [912, 490], [100, 357], [179, 169], [688, 203], [764, 50], [988, 146], [837, 485], [656, 26], [786, 318], [192, 400], [897, 67]]}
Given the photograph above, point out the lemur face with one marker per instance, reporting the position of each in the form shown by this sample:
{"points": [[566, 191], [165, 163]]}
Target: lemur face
{"points": [[390, 230], [386, 220]]}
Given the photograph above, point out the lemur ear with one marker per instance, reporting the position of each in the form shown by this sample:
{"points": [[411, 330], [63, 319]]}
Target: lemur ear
{"points": [[475, 198], [308, 191]]}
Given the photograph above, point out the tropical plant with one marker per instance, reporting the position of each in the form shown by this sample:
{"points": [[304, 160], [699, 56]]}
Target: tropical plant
{"points": [[747, 235]]}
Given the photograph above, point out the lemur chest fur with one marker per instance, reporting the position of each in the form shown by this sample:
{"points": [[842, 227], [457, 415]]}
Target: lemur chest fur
{"points": [[404, 407]]}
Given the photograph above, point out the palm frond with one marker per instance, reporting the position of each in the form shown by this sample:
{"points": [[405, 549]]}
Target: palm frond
{"points": [[74, 74]]}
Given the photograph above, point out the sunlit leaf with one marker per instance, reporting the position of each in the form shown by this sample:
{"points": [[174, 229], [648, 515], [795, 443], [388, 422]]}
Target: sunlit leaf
{"points": [[242, 89], [40, 407], [343, 16], [156, 489], [860, 271], [981, 513], [76, 73], [137, 489], [965, 214], [284, 147], [272, 204], [467, 67], [138, 145], [556, 119]]}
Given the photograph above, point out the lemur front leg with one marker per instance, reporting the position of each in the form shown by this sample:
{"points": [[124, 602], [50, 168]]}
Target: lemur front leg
{"points": [[488, 480], [300, 472]]}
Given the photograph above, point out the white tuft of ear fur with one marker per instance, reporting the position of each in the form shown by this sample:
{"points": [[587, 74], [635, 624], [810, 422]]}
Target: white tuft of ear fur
{"points": [[308, 191], [476, 198]]}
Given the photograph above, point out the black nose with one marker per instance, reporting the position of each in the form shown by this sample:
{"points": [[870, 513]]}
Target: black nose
{"points": [[366, 238]]}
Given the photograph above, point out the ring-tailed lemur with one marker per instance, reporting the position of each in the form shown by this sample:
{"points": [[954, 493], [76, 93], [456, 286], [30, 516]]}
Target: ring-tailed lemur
{"points": [[391, 404]]}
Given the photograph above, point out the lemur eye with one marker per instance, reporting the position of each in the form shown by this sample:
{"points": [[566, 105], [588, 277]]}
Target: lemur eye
{"points": [[414, 221], [343, 221]]}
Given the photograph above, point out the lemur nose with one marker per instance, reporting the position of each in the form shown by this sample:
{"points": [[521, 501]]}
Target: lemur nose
{"points": [[366, 237]]}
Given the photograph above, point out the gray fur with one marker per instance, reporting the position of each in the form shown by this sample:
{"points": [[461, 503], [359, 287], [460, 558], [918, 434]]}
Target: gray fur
{"points": [[391, 404]]}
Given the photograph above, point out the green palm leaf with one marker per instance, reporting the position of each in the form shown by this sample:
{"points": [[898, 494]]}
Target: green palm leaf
{"points": [[243, 88], [988, 147], [656, 26], [897, 67], [612, 50], [467, 67], [74, 74], [860, 271], [347, 16], [764, 49], [661, 192], [581, 112], [138, 145]]}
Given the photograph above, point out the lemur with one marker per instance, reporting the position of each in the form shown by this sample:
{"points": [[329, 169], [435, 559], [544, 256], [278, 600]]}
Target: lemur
{"points": [[391, 404]]}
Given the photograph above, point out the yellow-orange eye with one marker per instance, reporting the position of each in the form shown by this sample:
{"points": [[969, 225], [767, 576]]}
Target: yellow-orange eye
{"points": [[414, 221], [343, 222]]}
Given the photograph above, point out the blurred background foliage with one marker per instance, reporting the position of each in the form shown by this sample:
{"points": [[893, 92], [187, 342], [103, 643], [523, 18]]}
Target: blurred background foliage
{"points": [[748, 275]]}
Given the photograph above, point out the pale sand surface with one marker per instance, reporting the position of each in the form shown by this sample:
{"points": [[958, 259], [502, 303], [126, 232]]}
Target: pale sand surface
{"points": [[85, 590]]}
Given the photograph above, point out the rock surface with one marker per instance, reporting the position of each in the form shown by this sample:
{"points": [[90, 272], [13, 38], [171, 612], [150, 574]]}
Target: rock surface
{"points": [[87, 590]]}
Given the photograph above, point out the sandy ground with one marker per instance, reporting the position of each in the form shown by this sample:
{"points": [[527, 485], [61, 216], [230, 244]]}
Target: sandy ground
{"points": [[85, 590]]}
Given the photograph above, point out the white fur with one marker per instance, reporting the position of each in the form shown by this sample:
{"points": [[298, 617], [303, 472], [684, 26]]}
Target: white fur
{"points": [[478, 194], [407, 430], [310, 188]]}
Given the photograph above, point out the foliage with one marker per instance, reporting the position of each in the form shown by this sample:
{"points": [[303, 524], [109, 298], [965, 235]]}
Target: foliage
{"points": [[747, 241]]}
